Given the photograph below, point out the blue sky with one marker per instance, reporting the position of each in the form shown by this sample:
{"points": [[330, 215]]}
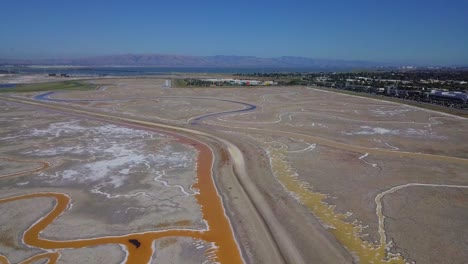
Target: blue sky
{"points": [[412, 31]]}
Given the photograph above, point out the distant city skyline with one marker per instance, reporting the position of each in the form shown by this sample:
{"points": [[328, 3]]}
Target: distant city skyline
{"points": [[405, 32]]}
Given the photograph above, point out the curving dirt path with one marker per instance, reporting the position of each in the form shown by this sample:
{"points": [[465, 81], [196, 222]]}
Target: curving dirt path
{"points": [[277, 237], [281, 244]]}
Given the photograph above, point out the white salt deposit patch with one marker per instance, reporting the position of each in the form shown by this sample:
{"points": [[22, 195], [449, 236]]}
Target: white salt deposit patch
{"points": [[386, 144], [124, 171], [318, 125], [211, 252], [408, 132], [375, 131], [166, 184], [310, 147], [391, 147], [363, 159], [97, 190], [8, 138], [199, 244], [69, 174], [386, 112], [117, 163], [73, 127], [116, 152]]}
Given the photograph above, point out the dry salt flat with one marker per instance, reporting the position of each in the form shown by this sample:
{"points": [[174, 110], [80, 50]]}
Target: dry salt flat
{"points": [[121, 180]]}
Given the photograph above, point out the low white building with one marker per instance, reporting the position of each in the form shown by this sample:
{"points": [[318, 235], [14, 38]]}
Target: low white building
{"points": [[240, 82]]}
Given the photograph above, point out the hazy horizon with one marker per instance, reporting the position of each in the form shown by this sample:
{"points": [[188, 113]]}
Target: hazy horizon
{"points": [[419, 32]]}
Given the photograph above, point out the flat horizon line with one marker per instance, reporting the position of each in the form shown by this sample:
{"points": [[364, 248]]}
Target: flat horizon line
{"points": [[52, 60]]}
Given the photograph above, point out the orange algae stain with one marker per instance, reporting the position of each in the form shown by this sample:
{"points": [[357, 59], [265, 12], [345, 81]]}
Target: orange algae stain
{"points": [[348, 234], [43, 165], [140, 253], [4, 260], [219, 231], [139, 246], [161, 225], [183, 223], [52, 258]]}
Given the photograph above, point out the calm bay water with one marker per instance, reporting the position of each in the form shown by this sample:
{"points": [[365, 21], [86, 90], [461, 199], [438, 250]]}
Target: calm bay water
{"points": [[139, 71]]}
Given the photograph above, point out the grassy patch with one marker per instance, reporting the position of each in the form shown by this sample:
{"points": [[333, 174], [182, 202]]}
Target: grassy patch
{"points": [[38, 87], [179, 83]]}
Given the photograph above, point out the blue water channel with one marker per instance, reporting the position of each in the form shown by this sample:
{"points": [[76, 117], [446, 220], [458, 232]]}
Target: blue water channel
{"points": [[196, 121]]}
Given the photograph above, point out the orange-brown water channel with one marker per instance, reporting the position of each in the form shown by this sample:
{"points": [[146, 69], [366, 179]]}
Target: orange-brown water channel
{"points": [[219, 230], [44, 165]]}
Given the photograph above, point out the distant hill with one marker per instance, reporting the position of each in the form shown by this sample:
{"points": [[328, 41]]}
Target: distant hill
{"points": [[161, 60]]}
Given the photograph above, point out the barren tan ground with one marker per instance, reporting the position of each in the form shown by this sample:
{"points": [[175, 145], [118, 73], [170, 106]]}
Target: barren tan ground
{"points": [[307, 177]]}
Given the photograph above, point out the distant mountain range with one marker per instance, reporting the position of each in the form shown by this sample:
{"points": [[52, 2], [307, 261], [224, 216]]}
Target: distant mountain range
{"points": [[160, 60]]}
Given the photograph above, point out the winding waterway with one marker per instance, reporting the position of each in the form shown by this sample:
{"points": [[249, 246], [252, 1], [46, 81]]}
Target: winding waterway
{"points": [[347, 233], [139, 246]]}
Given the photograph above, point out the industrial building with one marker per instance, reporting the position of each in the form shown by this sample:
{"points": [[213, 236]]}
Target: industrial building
{"points": [[239, 82]]}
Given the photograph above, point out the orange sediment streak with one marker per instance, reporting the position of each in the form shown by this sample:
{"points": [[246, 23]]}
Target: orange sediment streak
{"points": [[51, 256], [44, 165], [4, 260], [219, 230]]}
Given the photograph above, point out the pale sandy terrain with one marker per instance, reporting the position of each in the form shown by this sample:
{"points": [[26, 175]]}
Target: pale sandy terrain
{"points": [[34, 78], [306, 177], [121, 181]]}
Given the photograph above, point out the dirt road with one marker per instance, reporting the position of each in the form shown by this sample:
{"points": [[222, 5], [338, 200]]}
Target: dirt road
{"points": [[275, 239]]}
